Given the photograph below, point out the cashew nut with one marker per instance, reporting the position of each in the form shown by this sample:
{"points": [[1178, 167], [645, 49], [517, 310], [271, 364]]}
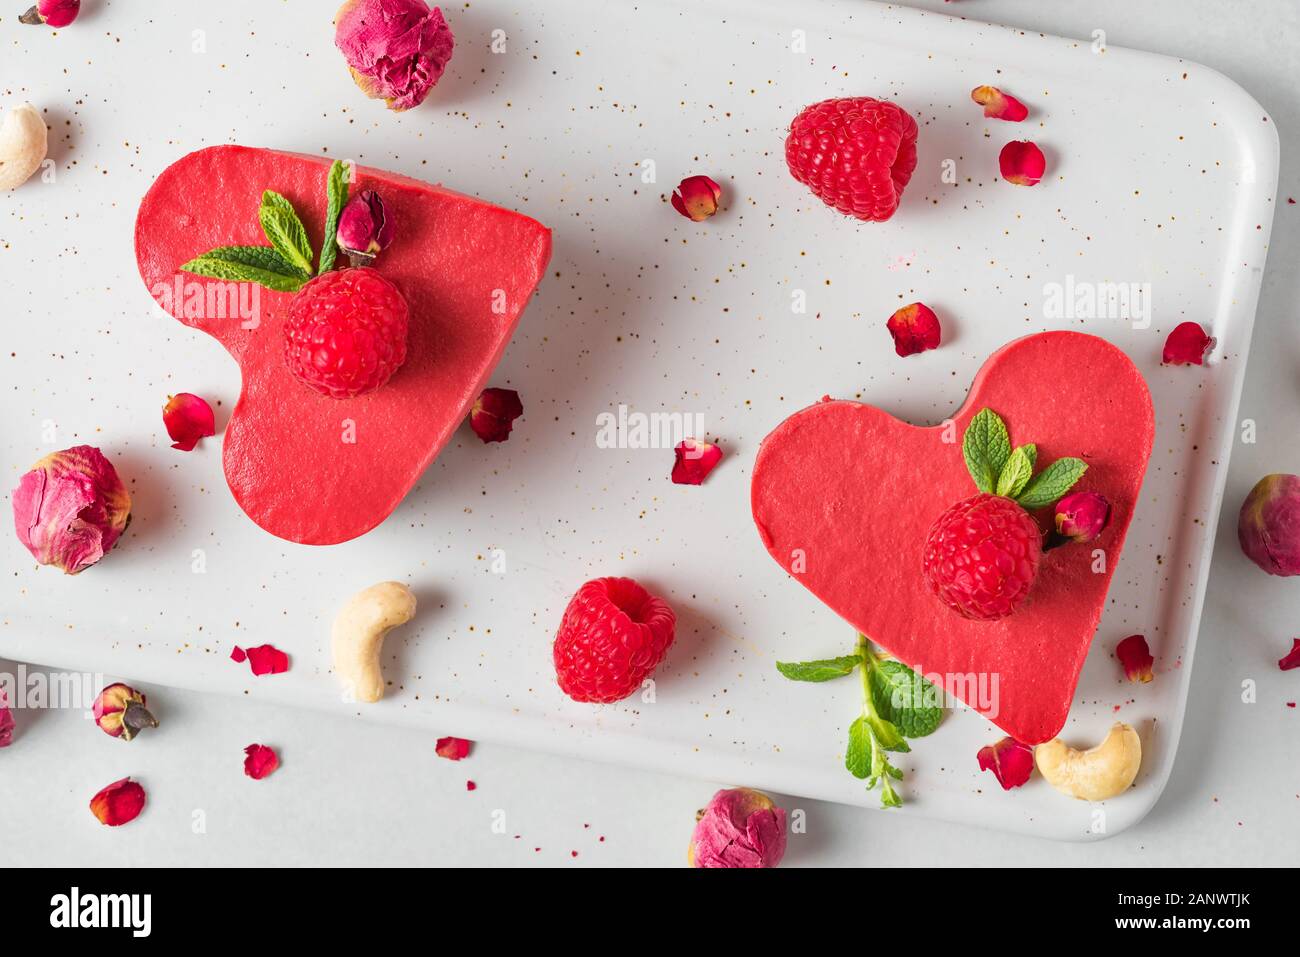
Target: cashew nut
{"points": [[359, 632], [1096, 774], [23, 142]]}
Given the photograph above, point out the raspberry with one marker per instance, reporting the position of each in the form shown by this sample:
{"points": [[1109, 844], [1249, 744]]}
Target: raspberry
{"points": [[614, 633], [856, 154], [981, 556], [345, 334]]}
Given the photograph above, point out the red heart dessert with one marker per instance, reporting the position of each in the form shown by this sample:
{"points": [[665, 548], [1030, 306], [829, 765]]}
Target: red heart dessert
{"points": [[305, 466], [844, 496]]}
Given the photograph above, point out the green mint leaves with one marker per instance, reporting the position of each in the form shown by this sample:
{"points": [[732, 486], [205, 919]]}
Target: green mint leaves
{"points": [[285, 265], [1000, 470], [897, 704]]}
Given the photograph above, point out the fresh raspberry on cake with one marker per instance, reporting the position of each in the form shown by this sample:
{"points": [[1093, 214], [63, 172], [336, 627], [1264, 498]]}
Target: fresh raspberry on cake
{"points": [[613, 635], [345, 334], [855, 153]]}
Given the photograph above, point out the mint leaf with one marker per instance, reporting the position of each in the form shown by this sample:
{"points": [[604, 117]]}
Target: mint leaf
{"points": [[910, 702], [1016, 473], [986, 446], [1051, 483], [858, 756], [888, 737], [259, 264], [336, 189], [822, 670], [285, 231], [1031, 450]]}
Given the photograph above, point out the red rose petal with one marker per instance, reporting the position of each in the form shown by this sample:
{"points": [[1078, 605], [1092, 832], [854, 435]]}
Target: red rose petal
{"points": [[998, 105], [1292, 657], [694, 461], [494, 413], [267, 660], [915, 328], [696, 198], [238, 654], [1187, 345], [470, 786], [1010, 761], [1022, 163], [120, 802], [260, 761], [453, 749], [1135, 656], [188, 418]]}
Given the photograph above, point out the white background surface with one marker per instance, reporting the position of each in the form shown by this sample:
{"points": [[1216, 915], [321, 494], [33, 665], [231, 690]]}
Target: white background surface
{"points": [[354, 794]]}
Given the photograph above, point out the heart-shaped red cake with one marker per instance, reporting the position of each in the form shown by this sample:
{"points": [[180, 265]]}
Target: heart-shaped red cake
{"points": [[844, 495], [304, 466]]}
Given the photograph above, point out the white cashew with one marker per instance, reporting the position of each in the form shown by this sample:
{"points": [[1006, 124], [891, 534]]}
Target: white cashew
{"points": [[359, 632], [23, 143], [1096, 774]]}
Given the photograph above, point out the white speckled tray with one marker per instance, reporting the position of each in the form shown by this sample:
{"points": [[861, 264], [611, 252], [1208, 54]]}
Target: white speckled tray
{"points": [[1161, 171]]}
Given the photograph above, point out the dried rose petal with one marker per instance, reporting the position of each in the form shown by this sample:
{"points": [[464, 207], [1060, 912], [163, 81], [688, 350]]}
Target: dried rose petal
{"points": [[998, 105], [1135, 656], [1292, 658], [6, 721], [396, 50], [453, 749], [694, 461], [1188, 345], [260, 761], [1010, 761], [471, 786], [741, 827], [267, 660], [696, 198], [119, 803], [915, 328], [71, 508], [188, 418], [493, 415], [238, 654], [1022, 163]]}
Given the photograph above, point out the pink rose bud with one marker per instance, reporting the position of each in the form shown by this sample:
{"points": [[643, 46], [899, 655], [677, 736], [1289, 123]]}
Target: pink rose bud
{"points": [[364, 228], [1082, 516], [740, 828], [7, 722], [52, 13], [120, 712], [71, 508], [1269, 524], [396, 49]]}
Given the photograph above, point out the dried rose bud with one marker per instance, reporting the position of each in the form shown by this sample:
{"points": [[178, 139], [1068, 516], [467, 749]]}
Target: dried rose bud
{"points": [[1187, 345], [998, 105], [365, 229], [121, 713], [1135, 656], [493, 415], [396, 49], [694, 460], [119, 803], [52, 13], [915, 328], [1022, 163], [7, 722], [696, 198], [453, 749], [740, 828], [1288, 661], [259, 761], [1268, 527], [187, 419], [1082, 516], [1010, 761], [71, 508]]}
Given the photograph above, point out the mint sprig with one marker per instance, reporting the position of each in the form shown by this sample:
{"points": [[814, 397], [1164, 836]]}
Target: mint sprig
{"points": [[897, 704], [285, 265], [1000, 470]]}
